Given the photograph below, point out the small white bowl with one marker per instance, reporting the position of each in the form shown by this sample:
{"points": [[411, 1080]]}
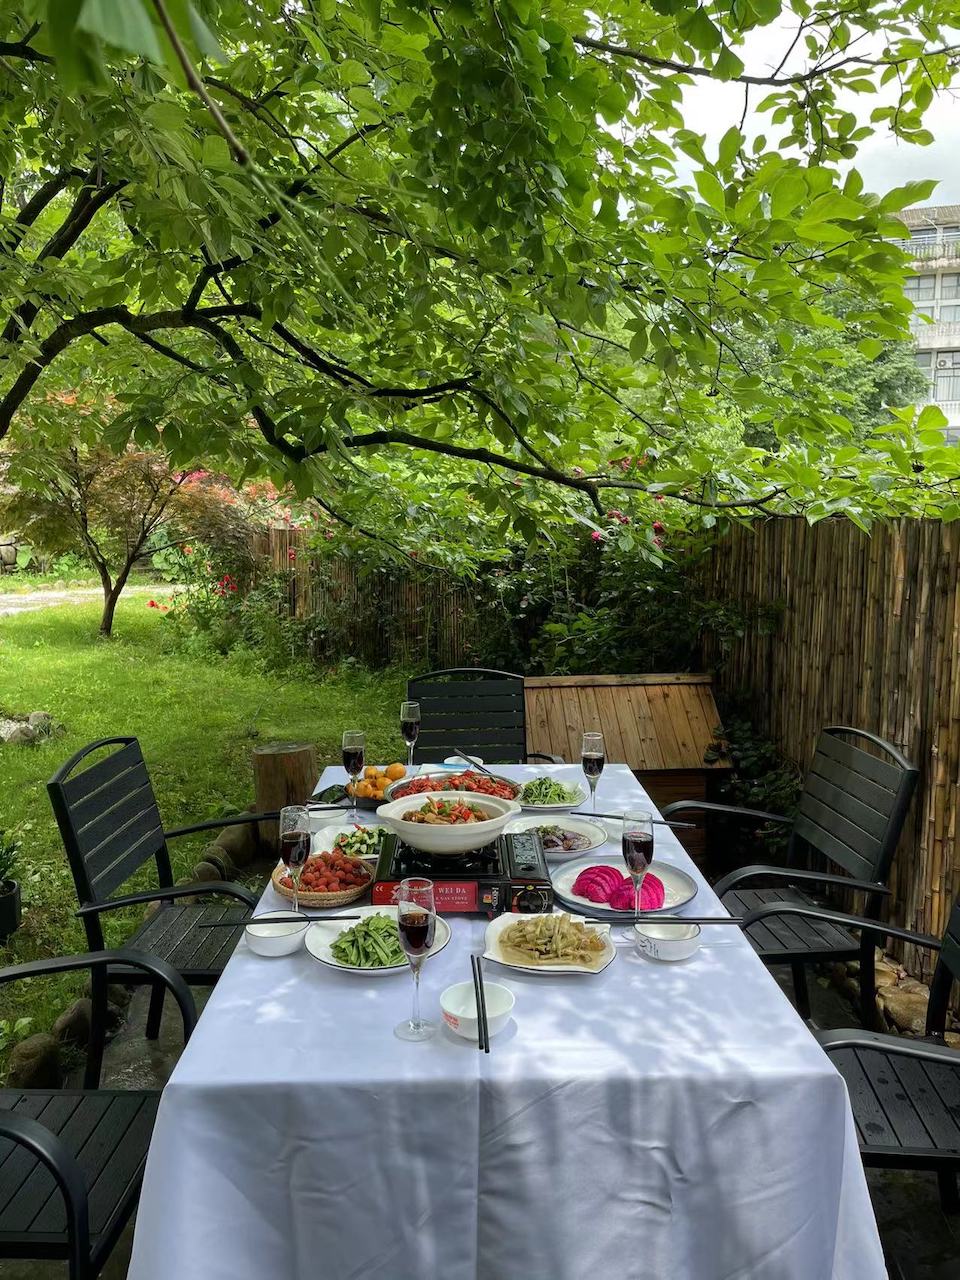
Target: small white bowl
{"points": [[667, 941], [455, 838], [280, 938], [459, 1005], [460, 762]]}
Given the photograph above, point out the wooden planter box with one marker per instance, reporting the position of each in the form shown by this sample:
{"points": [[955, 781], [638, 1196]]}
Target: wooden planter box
{"points": [[660, 725]]}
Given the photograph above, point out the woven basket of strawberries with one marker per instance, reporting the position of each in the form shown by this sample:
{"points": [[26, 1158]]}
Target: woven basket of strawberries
{"points": [[328, 880]]}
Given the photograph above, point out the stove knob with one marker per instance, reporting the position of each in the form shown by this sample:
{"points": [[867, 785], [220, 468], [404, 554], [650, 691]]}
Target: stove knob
{"points": [[530, 901]]}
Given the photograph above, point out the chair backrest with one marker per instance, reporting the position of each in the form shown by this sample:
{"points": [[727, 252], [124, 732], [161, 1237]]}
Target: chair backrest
{"points": [[944, 975], [854, 803], [468, 707], [108, 818]]}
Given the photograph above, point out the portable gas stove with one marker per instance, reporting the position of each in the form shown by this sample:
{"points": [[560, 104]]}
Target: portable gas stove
{"points": [[509, 874]]}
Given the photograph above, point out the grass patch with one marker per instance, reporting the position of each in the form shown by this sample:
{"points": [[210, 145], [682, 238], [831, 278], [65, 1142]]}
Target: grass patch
{"points": [[197, 720]]}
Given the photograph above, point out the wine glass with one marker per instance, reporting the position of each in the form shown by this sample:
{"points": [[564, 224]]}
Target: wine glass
{"points": [[417, 923], [294, 845], [410, 727], [592, 759], [352, 746], [637, 846]]}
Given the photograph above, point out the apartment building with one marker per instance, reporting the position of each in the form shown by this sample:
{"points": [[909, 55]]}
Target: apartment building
{"points": [[934, 289]]}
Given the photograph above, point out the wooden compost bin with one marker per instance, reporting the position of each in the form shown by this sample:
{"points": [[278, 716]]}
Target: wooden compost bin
{"points": [[660, 725]]}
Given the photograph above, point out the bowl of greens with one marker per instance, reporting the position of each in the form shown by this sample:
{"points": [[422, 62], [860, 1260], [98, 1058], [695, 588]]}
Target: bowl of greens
{"points": [[551, 795]]}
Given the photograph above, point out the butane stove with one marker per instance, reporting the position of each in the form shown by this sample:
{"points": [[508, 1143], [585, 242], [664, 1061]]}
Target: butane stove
{"points": [[509, 874]]}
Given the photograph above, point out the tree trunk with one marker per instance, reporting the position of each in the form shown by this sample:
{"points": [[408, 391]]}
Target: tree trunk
{"points": [[283, 773], [110, 599]]}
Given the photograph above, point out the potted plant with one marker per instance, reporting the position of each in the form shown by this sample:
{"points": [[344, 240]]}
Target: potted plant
{"points": [[9, 888]]}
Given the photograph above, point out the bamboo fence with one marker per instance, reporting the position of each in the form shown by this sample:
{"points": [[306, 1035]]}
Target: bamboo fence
{"points": [[869, 637], [378, 616]]}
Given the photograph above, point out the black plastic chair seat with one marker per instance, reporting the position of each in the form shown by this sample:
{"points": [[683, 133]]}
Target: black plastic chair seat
{"points": [[173, 933], [907, 1110], [108, 1132], [783, 939]]}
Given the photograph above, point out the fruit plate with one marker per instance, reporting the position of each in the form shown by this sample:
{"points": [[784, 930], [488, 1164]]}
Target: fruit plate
{"points": [[678, 887], [326, 838], [322, 934], [499, 923], [307, 898], [591, 831]]}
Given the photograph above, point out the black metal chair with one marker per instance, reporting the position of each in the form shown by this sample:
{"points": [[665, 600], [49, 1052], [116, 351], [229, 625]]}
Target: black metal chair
{"points": [[852, 811], [474, 710], [110, 826], [905, 1094], [72, 1160]]}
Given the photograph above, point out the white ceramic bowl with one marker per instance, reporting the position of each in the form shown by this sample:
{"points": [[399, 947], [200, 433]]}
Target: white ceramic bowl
{"points": [[459, 1005], [442, 839], [461, 762], [667, 941], [277, 939]]}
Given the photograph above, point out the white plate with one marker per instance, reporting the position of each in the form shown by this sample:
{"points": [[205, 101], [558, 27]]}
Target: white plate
{"points": [[594, 830], [499, 923], [678, 887], [326, 837], [579, 798], [322, 934]]}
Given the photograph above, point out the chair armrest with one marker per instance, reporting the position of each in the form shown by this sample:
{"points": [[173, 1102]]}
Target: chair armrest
{"points": [[214, 823], [544, 755], [51, 1151], [857, 1039], [679, 806], [110, 959], [788, 873], [225, 888], [843, 919]]}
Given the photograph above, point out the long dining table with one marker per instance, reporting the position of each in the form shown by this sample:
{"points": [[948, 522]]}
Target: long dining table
{"points": [[654, 1121]]}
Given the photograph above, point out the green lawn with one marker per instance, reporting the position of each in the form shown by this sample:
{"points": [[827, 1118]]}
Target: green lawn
{"points": [[196, 719]]}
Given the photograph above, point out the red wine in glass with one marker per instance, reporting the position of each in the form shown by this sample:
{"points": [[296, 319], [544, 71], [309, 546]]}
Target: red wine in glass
{"points": [[637, 851], [592, 764], [593, 756], [353, 761], [417, 930], [294, 848], [410, 727]]}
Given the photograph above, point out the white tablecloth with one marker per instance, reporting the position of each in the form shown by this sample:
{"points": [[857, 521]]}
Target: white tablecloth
{"points": [[653, 1122]]}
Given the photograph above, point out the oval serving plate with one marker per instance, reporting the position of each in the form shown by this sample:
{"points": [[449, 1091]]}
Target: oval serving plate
{"points": [[593, 830], [491, 949], [322, 934], [324, 839], [678, 887], [579, 799]]}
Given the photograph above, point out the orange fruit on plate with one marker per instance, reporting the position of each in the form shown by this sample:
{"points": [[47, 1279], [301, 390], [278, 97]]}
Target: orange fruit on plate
{"points": [[395, 772], [371, 771]]}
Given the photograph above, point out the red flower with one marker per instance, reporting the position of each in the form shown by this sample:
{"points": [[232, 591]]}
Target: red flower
{"points": [[657, 526], [597, 536], [658, 497], [292, 554], [188, 551], [233, 586], [152, 604]]}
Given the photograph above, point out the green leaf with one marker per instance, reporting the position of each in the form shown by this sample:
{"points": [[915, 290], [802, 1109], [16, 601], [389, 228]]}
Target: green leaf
{"points": [[711, 189], [127, 26], [730, 145], [727, 66], [350, 71], [871, 347], [701, 31]]}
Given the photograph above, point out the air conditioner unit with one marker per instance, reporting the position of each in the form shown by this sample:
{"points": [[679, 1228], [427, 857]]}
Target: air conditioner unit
{"points": [[943, 364]]}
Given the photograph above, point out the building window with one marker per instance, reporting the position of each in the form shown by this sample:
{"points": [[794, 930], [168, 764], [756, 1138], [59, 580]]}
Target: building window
{"points": [[923, 235], [950, 234], [950, 312], [950, 286], [920, 288], [946, 384]]}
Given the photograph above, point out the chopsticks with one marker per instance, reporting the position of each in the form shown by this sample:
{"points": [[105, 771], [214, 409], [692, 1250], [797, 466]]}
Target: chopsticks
{"points": [[483, 1033], [260, 919], [657, 822], [471, 764]]}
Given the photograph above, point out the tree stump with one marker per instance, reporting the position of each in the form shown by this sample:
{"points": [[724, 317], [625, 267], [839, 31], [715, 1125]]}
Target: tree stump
{"points": [[283, 773]]}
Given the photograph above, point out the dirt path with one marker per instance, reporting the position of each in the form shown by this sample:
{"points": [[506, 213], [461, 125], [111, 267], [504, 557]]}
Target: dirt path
{"points": [[47, 598]]}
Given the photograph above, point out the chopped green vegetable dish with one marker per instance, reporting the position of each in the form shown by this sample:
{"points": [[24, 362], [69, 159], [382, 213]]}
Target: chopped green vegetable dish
{"points": [[546, 791], [374, 943]]}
